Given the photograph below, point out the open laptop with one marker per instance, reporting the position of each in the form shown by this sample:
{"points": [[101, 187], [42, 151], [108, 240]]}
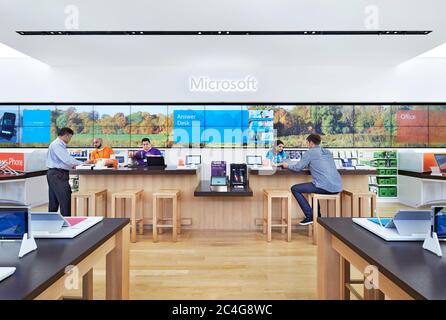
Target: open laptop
{"points": [[404, 226], [14, 222], [441, 162], [155, 162], [51, 222], [54, 225]]}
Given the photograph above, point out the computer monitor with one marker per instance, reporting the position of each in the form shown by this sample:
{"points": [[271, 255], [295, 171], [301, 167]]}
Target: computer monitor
{"points": [[294, 155], [441, 162], [254, 160], [13, 222], [193, 160]]}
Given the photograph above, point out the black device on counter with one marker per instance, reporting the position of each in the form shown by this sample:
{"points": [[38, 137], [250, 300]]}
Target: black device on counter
{"points": [[238, 175], [155, 162]]}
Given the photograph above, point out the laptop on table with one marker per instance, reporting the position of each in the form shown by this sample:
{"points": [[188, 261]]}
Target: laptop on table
{"points": [[441, 162], [155, 162]]}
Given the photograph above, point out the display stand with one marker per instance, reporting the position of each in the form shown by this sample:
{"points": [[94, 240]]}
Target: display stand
{"points": [[28, 245], [431, 243]]}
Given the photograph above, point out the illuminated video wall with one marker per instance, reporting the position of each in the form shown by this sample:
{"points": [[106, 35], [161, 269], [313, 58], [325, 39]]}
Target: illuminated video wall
{"points": [[343, 126]]}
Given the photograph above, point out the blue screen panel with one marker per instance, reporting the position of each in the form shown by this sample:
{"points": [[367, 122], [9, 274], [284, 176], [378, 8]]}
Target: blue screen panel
{"points": [[36, 135], [36, 118]]}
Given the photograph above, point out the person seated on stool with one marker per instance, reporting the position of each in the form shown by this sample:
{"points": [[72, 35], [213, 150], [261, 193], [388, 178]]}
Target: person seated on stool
{"points": [[326, 178], [276, 154], [100, 151], [147, 150]]}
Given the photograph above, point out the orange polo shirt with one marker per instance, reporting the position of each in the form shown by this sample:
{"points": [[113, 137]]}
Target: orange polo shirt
{"points": [[103, 153]]}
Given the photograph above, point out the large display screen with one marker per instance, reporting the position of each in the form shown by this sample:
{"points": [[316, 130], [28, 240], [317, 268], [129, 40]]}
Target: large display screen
{"points": [[342, 126]]}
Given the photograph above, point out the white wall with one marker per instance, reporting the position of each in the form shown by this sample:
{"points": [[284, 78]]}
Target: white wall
{"points": [[418, 80]]}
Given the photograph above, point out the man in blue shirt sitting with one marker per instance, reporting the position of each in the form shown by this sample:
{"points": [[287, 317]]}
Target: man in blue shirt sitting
{"points": [[276, 154], [326, 178]]}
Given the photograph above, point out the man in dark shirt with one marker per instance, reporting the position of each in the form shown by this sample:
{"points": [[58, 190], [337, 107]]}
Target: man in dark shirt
{"points": [[147, 150]]}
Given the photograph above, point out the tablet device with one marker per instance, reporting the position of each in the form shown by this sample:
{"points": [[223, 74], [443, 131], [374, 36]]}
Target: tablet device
{"points": [[218, 181]]}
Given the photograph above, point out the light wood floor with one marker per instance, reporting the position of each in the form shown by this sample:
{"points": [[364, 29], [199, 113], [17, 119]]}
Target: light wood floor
{"points": [[222, 265]]}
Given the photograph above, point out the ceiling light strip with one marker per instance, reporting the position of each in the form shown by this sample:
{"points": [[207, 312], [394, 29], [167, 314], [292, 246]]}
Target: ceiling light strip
{"points": [[221, 33]]}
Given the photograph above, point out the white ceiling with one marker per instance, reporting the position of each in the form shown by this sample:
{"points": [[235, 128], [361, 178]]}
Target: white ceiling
{"points": [[31, 15]]}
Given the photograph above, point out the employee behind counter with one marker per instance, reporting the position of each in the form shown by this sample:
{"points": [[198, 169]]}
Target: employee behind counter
{"points": [[100, 151], [276, 154], [147, 150]]}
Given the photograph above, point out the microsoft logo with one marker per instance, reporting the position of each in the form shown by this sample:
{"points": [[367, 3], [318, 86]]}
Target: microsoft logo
{"points": [[205, 84]]}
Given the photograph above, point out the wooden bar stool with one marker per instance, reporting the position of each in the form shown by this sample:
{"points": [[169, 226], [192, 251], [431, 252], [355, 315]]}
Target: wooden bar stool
{"points": [[161, 196], [359, 202], [285, 220], [134, 196], [314, 201], [90, 201]]}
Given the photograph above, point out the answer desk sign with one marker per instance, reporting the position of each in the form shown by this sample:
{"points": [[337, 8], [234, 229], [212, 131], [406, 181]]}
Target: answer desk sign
{"points": [[206, 84]]}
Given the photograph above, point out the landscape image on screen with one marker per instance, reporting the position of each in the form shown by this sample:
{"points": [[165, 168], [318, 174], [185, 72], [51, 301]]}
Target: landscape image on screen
{"points": [[341, 126]]}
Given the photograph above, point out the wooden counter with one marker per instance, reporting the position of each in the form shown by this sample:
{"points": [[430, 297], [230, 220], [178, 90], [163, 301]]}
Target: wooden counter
{"points": [[208, 212]]}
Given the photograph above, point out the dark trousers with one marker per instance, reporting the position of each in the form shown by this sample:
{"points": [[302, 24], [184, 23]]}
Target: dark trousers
{"points": [[309, 187], [59, 191]]}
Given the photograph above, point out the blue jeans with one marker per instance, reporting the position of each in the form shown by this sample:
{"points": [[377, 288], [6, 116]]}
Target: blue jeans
{"points": [[309, 187]]}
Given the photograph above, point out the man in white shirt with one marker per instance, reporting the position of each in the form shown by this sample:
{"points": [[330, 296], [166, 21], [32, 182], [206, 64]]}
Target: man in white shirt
{"points": [[59, 162]]}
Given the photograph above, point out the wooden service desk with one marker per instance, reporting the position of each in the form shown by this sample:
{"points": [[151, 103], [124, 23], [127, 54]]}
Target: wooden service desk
{"points": [[208, 211], [59, 265]]}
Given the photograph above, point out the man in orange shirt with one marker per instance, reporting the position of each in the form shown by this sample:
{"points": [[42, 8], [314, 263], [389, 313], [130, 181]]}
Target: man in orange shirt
{"points": [[100, 152]]}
